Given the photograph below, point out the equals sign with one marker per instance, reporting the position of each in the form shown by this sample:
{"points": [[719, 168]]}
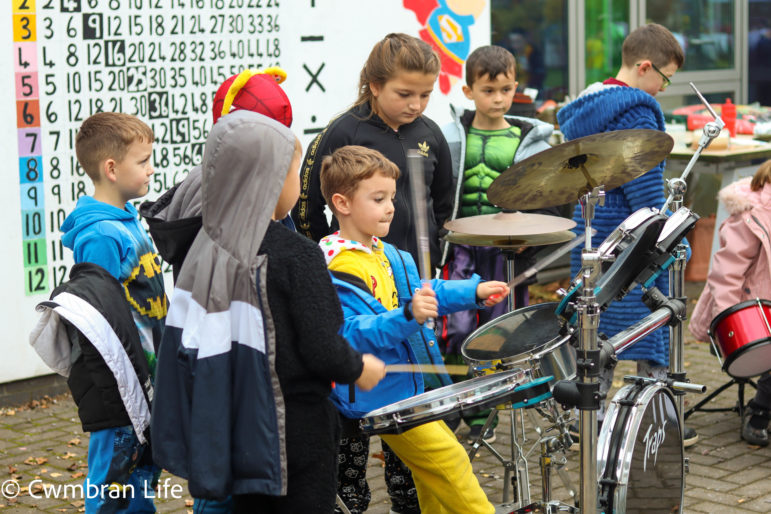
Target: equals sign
{"points": [[311, 39]]}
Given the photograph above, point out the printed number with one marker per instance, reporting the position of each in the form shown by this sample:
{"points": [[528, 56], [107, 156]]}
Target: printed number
{"points": [[36, 280]]}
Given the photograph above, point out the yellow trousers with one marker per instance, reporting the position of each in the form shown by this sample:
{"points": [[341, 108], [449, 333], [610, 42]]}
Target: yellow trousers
{"points": [[441, 470]]}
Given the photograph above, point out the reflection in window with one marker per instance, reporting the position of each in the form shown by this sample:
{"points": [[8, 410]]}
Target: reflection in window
{"points": [[759, 46], [607, 24], [536, 32], [704, 28]]}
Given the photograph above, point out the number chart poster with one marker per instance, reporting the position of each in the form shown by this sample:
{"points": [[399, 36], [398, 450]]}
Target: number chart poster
{"points": [[162, 60]]}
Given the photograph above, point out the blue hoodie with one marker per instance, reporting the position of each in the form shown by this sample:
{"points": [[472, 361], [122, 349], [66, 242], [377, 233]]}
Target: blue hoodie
{"points": [[389, 335], [114, 239]]}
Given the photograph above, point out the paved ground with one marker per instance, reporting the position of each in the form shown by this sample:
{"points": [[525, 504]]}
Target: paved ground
{"points": [[42, 449]]}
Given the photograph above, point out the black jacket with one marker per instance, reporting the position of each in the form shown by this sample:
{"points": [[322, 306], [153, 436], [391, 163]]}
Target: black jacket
{"points": [[359, 126], [87, 333]]}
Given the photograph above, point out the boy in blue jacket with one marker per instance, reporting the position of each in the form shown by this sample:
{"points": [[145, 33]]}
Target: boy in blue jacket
{"points": [[385, 307], [115, 151]]}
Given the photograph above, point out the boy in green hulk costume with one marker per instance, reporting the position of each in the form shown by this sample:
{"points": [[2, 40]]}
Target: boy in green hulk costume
{"points": [[484, 143]]}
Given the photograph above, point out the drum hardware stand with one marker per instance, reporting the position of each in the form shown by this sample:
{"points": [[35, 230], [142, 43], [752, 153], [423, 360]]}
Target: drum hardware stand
{"points": [[738, 408], [677, 188], [520, 479], [551, 445], [586, 388]]}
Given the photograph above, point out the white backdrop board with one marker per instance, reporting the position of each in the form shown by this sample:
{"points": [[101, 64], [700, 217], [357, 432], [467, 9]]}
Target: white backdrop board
{"points": [[162, 60]]}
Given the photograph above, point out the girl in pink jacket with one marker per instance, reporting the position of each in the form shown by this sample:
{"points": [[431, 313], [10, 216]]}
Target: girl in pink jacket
{"points": [[741, 270]]}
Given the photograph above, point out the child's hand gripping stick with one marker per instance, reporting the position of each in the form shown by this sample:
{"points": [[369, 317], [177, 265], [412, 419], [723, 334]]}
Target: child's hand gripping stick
{"points": [[420, 213], [532, 270]]}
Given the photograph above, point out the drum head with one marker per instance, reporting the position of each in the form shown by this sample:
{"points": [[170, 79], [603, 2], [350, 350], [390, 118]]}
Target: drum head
{"points": [[469, 396], [515, 333], [640, 452]]}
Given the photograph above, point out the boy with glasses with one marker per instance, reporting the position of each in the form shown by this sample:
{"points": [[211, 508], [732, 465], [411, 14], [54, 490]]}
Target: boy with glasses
{"points": [[650, 57]]}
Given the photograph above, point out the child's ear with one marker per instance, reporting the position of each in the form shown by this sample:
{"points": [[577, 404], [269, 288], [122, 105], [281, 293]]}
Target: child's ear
{"points": [[467, 91], [341, 204], [108, 167]]}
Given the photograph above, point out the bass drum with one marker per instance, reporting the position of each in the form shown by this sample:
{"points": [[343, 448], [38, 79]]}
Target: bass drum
{"points": [[640, 452]]}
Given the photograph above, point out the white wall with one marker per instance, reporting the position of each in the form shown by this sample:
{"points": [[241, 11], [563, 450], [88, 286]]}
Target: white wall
{"points": [[73, 46]]}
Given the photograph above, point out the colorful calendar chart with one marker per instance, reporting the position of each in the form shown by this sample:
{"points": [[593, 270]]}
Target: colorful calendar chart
{"points": [[161, 60]]}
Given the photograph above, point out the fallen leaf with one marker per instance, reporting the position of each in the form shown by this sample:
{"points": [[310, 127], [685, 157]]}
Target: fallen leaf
{"points": [[72, 467], [36, 488], [73, 442], [189, 503], [10, 412], [78, 503], [69, 455], [56, 475], [740, 500], [379, 455], [79, 474], [12, 469], [42, 470]]}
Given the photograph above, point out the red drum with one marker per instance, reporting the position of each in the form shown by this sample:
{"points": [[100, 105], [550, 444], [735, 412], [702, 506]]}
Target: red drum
{"points": [[742, 334]]}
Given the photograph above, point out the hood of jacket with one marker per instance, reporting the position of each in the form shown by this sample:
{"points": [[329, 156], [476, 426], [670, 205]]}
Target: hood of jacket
{"points": [[239, 191], [599, 107], [738, 197], [89, 211]]}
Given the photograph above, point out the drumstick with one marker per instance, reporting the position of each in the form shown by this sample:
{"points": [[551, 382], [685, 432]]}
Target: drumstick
{"points": [[418, 187], [450, 369], [532, 270]]}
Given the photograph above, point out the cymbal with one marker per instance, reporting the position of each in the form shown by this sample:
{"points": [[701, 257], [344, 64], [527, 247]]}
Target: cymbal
{"points": [[509, 224], [510, 242], [564, 173]]}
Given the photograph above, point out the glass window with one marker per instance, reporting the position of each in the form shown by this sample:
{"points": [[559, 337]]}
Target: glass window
{"points": [[607, 24], [536, 32], [704, 28], [759, 46]]}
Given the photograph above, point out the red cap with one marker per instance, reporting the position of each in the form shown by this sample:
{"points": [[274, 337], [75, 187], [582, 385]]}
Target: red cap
{"points": [[254, 91]]}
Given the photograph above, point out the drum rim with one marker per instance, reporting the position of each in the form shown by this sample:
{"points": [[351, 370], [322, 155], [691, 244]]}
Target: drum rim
{"points": [[736, 308], [379, 418], [649, 213], [731, 359], [621, 470], [522, 356], [687, 215]]}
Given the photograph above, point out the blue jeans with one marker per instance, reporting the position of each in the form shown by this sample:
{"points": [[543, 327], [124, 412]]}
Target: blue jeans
{"points": [[115, 481]]}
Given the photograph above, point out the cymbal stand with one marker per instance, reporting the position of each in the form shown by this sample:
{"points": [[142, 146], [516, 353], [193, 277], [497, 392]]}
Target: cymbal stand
{"points": [[517, 465], [588, 356], [677, 188]]}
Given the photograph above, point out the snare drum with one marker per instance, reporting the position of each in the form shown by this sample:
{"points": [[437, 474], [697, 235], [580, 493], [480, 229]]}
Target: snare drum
{"points": [[742, 334], [630, 247], [526, 338], [464, 398], [640, 452]]}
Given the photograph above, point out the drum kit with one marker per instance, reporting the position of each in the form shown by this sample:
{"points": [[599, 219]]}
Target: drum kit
{"points": [[534, 359]]}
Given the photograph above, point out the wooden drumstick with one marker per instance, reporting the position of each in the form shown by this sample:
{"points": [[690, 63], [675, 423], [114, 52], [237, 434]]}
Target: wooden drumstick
{"points": [[450, 369]]}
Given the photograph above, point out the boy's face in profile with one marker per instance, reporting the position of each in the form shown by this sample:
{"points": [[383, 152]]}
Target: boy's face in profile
{"points": [[133, 172], [651, 80], [492, 96], [370, 208], [291, 190]]}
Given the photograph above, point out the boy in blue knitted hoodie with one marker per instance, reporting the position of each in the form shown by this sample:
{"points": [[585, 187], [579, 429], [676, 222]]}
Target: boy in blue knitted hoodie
{"points": [[650, 57], [385, 308], [115, 151]]}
